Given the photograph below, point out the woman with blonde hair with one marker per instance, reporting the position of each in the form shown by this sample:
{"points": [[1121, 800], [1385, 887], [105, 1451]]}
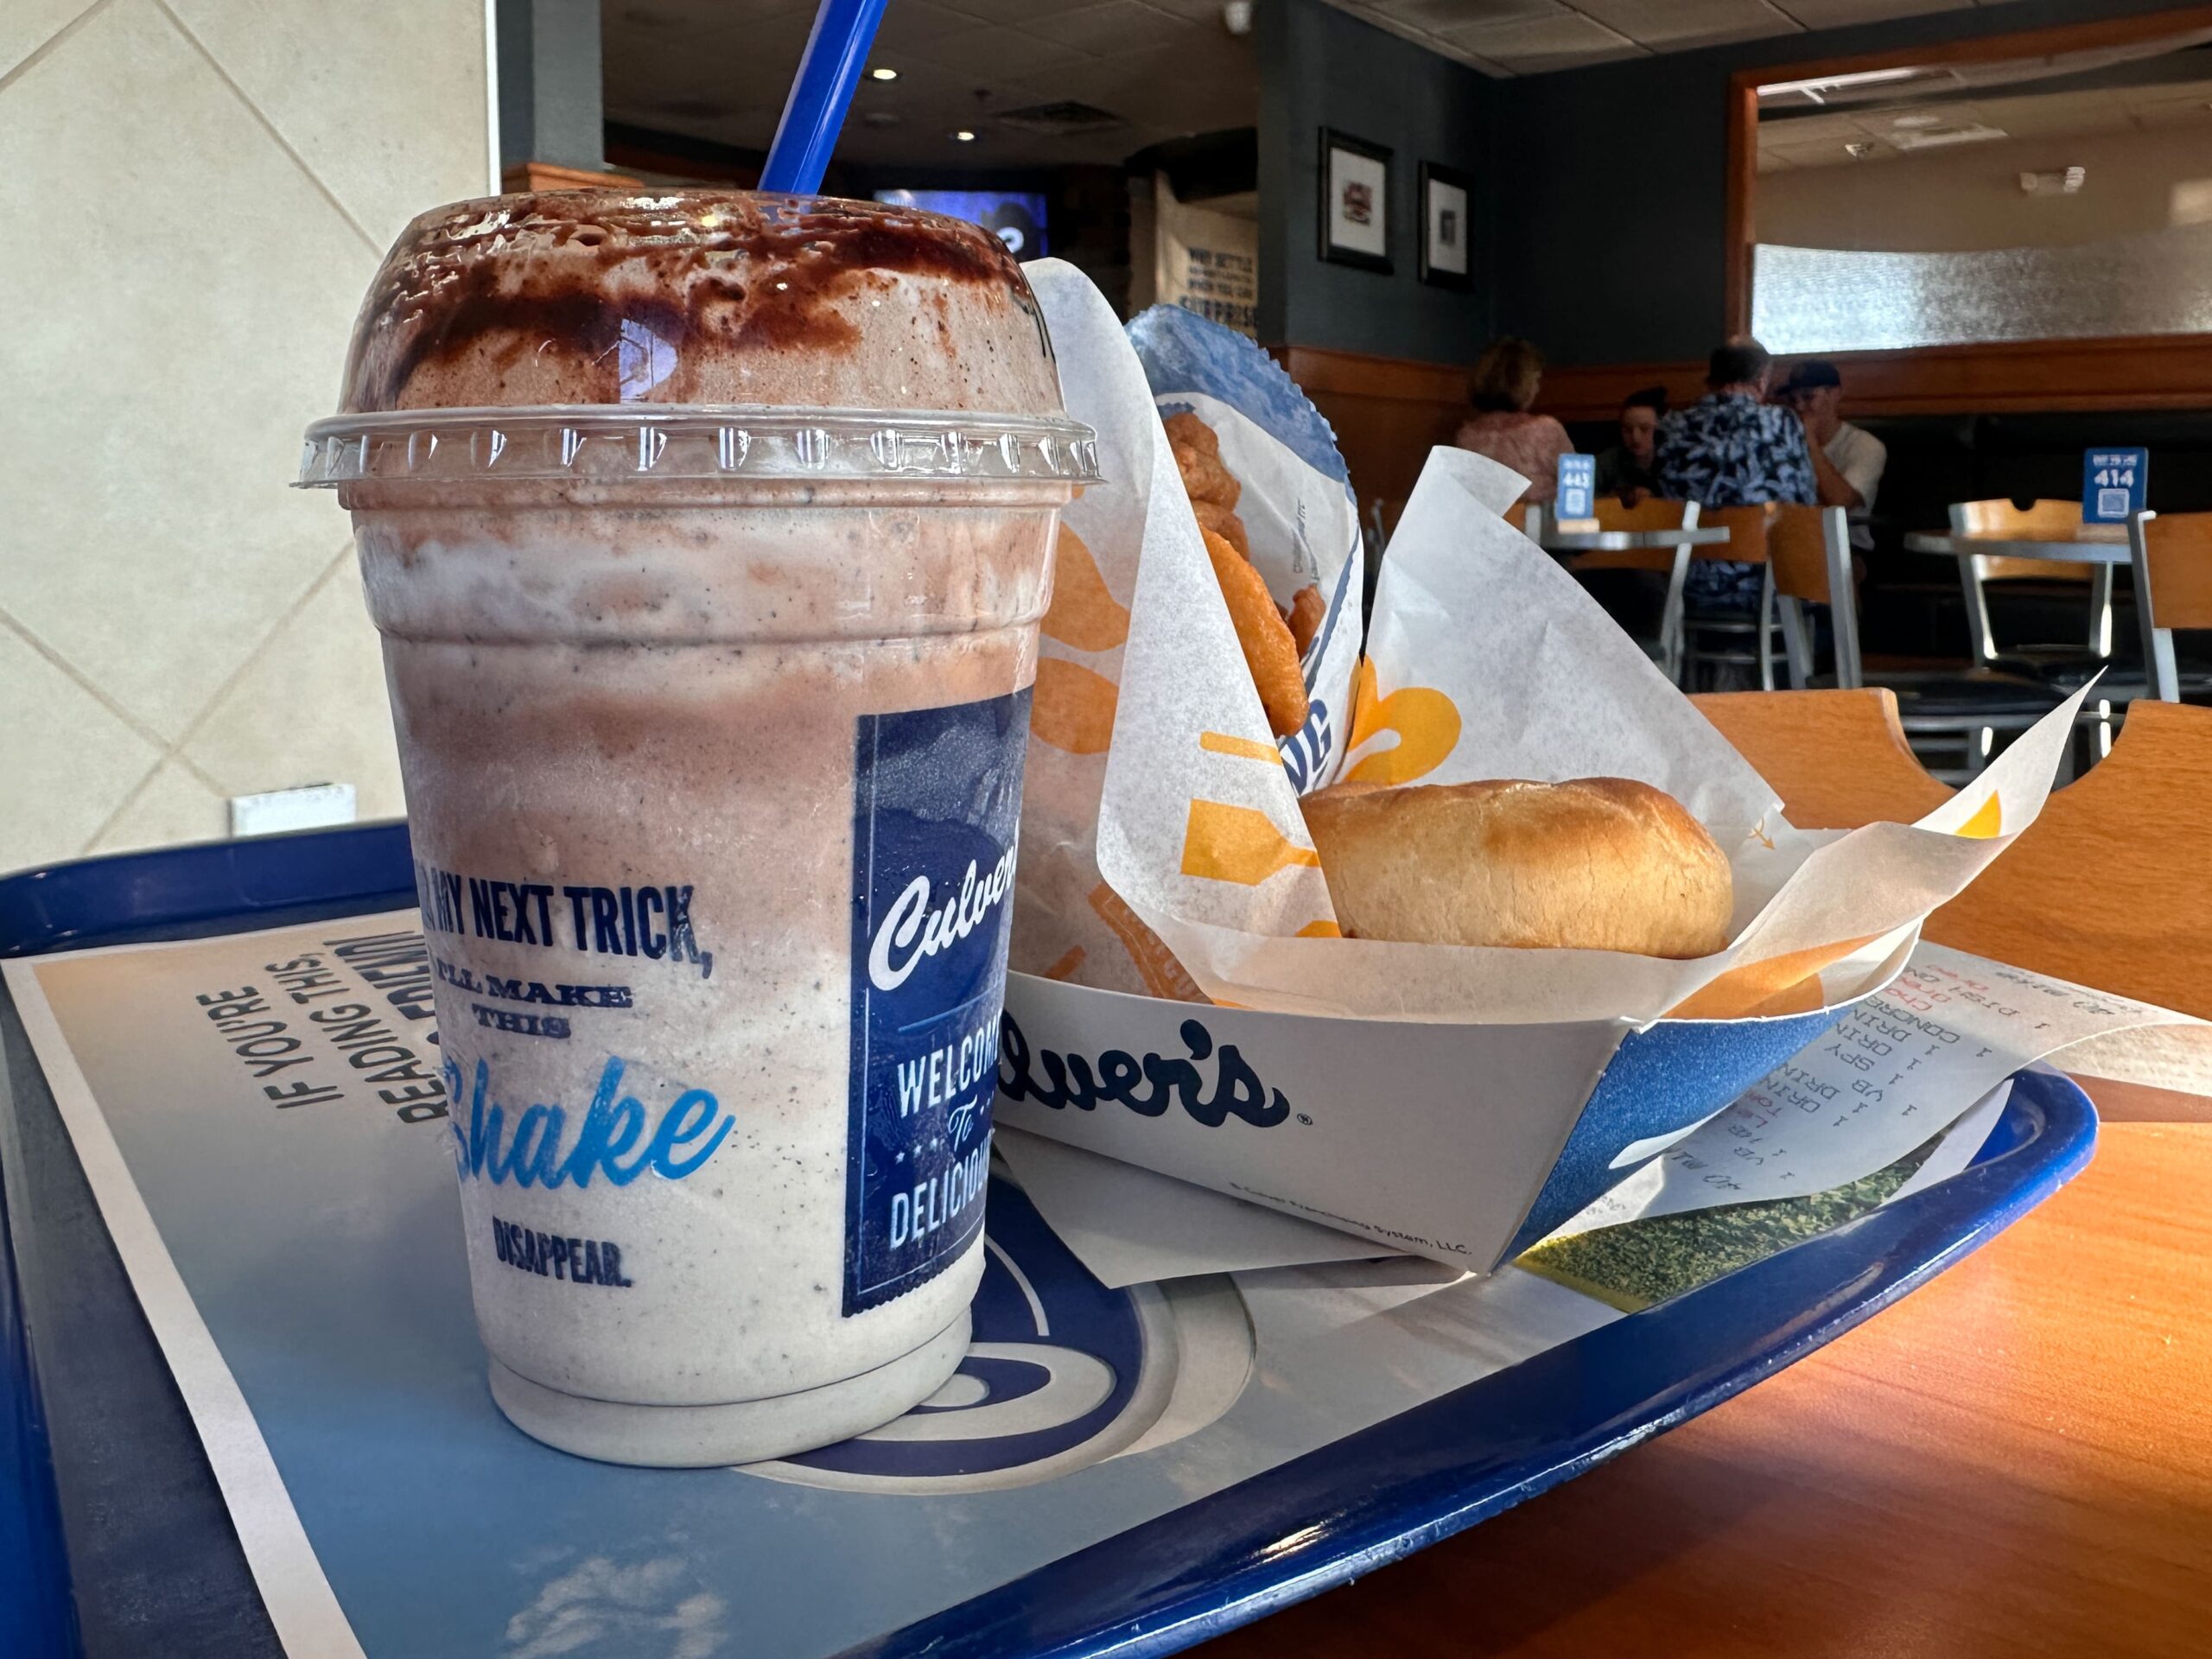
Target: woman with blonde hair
{"points": [[1502, 390]]}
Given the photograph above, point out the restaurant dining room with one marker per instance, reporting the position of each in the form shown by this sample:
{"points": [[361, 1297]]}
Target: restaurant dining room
{"points": [[1440, 769]]}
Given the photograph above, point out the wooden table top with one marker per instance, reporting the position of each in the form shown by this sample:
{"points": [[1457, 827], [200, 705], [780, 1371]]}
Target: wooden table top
{"points": [[2016, 1459]]}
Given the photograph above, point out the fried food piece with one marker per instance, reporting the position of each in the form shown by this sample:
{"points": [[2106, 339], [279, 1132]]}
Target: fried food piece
{"points": [[1270, 654], [1188, 430], [1224, 524], [1308, 607], [1204, 478]]}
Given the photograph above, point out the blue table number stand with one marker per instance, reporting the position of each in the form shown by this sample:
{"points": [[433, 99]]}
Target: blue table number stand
{"points": [[1577, 496], [2113, 484]]}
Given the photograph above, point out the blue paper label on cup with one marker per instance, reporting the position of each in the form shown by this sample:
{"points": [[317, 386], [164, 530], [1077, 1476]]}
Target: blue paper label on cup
{"points": [[2112, 485], [1577, 494], [936, 798]]}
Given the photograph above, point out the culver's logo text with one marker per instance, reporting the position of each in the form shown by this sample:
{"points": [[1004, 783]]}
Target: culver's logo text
{"points": [[911, 931], [1146, 1086]]}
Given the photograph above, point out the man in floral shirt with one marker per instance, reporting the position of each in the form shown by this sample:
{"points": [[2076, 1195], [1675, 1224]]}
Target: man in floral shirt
{"points": [[1732, 448]]}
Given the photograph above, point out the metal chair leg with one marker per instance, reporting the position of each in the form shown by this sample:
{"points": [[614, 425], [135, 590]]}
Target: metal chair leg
{"points": [[1765, 635]]}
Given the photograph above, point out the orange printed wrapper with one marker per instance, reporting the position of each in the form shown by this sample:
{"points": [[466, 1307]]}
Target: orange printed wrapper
{"points": [[1303, 532], [1484, 659]]}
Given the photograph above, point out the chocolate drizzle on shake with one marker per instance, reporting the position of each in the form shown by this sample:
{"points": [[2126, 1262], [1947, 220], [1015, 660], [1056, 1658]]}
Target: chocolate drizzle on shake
{"points": [[604, 297]]}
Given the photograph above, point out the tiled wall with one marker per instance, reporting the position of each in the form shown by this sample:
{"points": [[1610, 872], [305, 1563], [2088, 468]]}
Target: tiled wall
{"points": [[193, 196]]}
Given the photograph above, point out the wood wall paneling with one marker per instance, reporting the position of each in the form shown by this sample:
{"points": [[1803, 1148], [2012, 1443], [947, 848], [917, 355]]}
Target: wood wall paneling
{"points": [[2150, 372], [1388, 413]]}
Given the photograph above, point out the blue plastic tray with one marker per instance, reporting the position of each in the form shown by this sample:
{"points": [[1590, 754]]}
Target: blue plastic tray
{"points": [[113, 1538]]}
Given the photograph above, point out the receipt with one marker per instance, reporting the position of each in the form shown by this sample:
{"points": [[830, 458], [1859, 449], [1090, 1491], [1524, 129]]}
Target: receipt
{"points": [[1901, 1067], [1653, 1260]]}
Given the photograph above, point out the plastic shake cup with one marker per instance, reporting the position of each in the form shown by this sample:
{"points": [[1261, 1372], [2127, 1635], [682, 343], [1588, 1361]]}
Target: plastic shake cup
{"points": [[708, 536]]}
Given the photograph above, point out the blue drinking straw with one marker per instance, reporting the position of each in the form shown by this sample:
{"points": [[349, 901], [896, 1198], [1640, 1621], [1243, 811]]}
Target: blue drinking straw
{"points": [[836, 53]]}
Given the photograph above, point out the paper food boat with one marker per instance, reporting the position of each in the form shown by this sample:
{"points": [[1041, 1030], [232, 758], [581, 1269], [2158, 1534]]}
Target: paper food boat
{"points": [[1465, 1143], [1182, 1000]]}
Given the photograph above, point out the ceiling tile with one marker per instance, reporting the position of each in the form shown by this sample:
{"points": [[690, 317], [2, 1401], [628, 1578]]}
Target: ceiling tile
{"points": [[1200, 87], [2170, 92], [1207, 12], [1830, 152], [1881, 123], [1119, 26], [1669, 22], [1438, 17], [914, 24], [729, 79], [2058, 114], [1022, 11], [69, 762], [149, 536], [1544, 43], [1381, 17], [329, 78], [1838, 127], [997, 52], [2171, 112], [1841, 14]]}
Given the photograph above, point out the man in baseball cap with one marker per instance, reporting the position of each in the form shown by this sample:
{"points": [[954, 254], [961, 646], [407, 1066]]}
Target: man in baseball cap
{"points": [[1847, 460]]}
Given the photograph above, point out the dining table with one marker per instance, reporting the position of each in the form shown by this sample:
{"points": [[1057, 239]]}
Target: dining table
{"points": [[1553, 539], [2017, 1459]]}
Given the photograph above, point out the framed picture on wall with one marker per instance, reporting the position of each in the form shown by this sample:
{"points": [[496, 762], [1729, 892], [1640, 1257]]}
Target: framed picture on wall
{"points": [[1445, 230], [1355, 201]]}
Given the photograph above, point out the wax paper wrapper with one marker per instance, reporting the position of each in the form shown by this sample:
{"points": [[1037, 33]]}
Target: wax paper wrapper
{"points": [[1452, 1102], [1486, 660], [1303, 525]]}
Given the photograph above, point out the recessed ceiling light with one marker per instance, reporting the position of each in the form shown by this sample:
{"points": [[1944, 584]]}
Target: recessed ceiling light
{"points": [[883, 72], [1922, 119], [963, 137]]}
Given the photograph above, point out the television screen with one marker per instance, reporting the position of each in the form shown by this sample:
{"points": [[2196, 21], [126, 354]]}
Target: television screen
{"points": [[1018, 216]]}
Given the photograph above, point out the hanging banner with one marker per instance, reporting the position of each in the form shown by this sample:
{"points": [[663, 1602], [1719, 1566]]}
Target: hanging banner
{"points": [[1206, 262]]}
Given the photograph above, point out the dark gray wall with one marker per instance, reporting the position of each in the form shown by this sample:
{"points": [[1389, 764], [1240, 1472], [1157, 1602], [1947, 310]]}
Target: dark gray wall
{"points": [[1321, 68], [1611, 206]]}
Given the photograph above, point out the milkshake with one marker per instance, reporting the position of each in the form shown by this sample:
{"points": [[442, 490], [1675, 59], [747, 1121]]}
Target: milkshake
{"points": [[708, 536]]}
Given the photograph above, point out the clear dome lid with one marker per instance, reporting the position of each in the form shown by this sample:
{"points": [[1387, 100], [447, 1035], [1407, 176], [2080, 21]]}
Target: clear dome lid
{"points": [[607, 335]]}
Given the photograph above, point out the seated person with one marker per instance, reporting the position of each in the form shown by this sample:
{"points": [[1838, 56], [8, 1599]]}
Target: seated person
{"points": [[1624, 468], [1732, 448], [1502, 390], [1847, 460]]}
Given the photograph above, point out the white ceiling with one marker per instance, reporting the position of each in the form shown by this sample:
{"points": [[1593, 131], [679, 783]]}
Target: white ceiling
{"points": [[1821, 140], [717, 70], [1521, 37]]}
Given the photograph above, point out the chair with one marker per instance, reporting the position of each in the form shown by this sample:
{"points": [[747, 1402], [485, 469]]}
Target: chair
{"points": [[1809, 551], [2071, 662], [2106, 888], [1838, 758], [1746, 544], [1672, 564], [2173, 589]]}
